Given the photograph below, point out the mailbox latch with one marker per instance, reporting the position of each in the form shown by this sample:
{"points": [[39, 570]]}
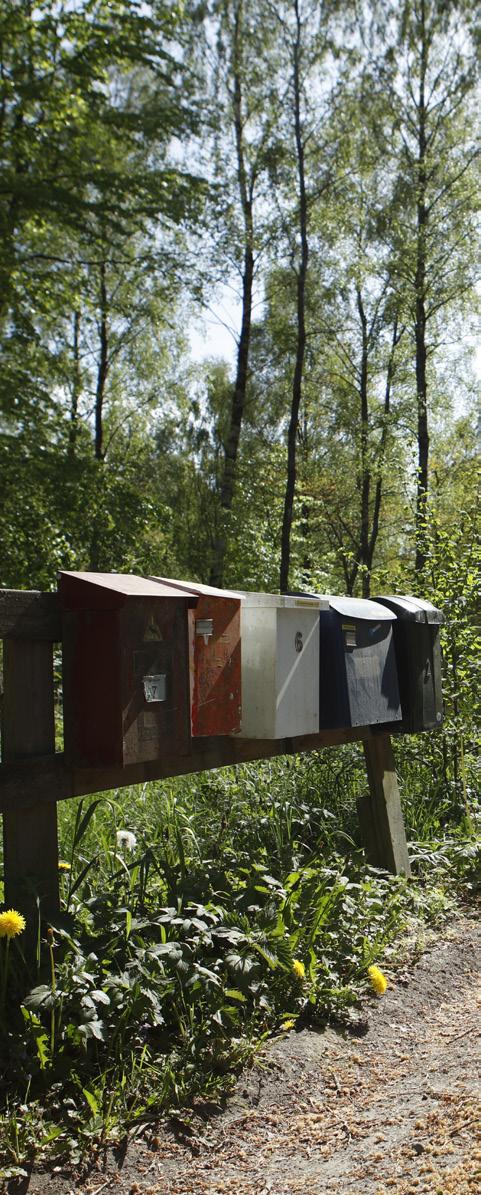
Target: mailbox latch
{"points": [[205, 627]]}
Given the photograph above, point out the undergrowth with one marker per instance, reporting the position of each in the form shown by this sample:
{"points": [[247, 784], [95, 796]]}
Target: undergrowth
{"points": [[200, 916]]}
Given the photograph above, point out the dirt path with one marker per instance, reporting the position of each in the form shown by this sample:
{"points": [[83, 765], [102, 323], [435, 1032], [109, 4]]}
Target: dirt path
{"points": [[396, 1110]]}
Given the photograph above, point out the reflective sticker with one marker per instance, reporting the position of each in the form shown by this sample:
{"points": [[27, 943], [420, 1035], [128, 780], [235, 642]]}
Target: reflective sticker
{"points": [[152, 632]]}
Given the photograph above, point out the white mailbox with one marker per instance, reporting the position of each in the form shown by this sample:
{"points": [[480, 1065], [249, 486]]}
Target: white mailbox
{"points": [[280, 665]]}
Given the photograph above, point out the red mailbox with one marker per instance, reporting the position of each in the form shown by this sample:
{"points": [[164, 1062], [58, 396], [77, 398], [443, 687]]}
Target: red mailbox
{"points": [[125, 668], [214, 658]]}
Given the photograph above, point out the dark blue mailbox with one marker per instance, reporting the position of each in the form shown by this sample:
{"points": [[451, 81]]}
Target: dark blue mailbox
{"points": [[358, 674], [418, 656]]}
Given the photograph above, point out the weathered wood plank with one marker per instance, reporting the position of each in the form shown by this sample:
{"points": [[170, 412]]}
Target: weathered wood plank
{"points": [[29, 829], [29, 615], [380, 813], [50, 780]]}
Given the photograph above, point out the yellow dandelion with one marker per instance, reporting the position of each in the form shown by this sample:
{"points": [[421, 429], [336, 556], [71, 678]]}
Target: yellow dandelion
{"points": [[299, 969], [378, 980], [11, 924], [62, 866], [287, 1025]]}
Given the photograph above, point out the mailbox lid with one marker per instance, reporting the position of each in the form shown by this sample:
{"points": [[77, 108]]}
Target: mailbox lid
{"points": [[413, 609], [361, 609], [214, 657], [280, 665], [197, 587], [108, 591], [286, 601]]}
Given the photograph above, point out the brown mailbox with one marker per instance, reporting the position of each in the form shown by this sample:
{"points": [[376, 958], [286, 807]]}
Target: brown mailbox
{"points": [[125, 669], [214, 658]]}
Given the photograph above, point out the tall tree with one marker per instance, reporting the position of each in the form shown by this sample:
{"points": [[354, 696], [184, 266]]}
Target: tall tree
{"points": [[240, 150], [428, 75]]}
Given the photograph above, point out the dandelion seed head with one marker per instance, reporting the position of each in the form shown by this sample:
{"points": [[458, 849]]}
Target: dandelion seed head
{"points": [[126, 839]]}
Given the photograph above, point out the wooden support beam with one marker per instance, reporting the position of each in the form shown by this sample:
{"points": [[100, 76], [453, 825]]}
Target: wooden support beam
{"points": [[29, 827], [30, 615], [380, 813], [50, 779]]}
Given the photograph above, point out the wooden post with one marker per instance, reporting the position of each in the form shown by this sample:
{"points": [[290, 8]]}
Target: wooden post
{"points": [[29, 832], [380, 813]]}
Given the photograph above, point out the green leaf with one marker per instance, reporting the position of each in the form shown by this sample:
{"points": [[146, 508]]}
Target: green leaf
{"points": [[92, 1102]]}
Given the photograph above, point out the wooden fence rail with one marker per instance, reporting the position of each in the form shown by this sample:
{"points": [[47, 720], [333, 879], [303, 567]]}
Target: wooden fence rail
{"points": [[33, 777]]}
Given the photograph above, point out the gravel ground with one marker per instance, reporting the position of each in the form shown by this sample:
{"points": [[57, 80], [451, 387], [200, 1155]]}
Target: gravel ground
{"points": [[395, 1108]]}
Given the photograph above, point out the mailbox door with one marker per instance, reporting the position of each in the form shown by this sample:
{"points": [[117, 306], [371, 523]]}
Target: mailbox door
{"points": [[215, 665], [358, 675], [418, 655], [419, 664], [280, 666], [125, 669], [297, 672], [371, 675], [154, 679]]}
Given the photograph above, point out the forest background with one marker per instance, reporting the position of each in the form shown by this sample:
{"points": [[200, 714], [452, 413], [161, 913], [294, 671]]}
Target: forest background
{"points": [[319, 162]]}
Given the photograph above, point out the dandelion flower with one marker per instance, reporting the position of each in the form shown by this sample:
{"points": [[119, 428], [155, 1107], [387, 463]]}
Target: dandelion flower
{"points": [[299, 969], [378, 980], [126, 839], [62, 866], [11, 924], [287, 1025]]}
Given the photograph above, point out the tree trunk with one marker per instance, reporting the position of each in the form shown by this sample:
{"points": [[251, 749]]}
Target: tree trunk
{"points": [[378, 494], [76, 386], [103, 367], [246, 190], [420, 320], [365, 475], [301, 320]]}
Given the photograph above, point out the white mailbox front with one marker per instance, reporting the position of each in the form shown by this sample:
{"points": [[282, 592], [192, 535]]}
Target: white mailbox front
{"points": [[280, 665]]}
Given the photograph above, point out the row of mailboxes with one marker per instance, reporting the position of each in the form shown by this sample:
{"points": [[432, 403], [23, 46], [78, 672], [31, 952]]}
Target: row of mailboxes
{"points": [[147, 664], [151, 663]]}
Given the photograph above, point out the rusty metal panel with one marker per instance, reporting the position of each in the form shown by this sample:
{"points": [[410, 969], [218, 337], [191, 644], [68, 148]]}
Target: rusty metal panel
{"points": [[126, 674], [215, 665], [214, 657]]}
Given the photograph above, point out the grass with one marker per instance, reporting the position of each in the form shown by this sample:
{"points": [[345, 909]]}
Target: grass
{"points": [[236, 903]]}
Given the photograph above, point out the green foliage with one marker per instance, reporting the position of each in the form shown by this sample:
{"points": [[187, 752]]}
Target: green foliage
{"points": [[240, 904]]}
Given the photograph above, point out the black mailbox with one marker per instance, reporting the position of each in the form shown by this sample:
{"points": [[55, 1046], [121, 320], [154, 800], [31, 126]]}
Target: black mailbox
{"points": [[358, 675], [418, 656]]}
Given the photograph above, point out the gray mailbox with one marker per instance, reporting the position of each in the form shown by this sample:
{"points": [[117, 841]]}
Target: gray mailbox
{"points": [[418, 656], [358, 675]]}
